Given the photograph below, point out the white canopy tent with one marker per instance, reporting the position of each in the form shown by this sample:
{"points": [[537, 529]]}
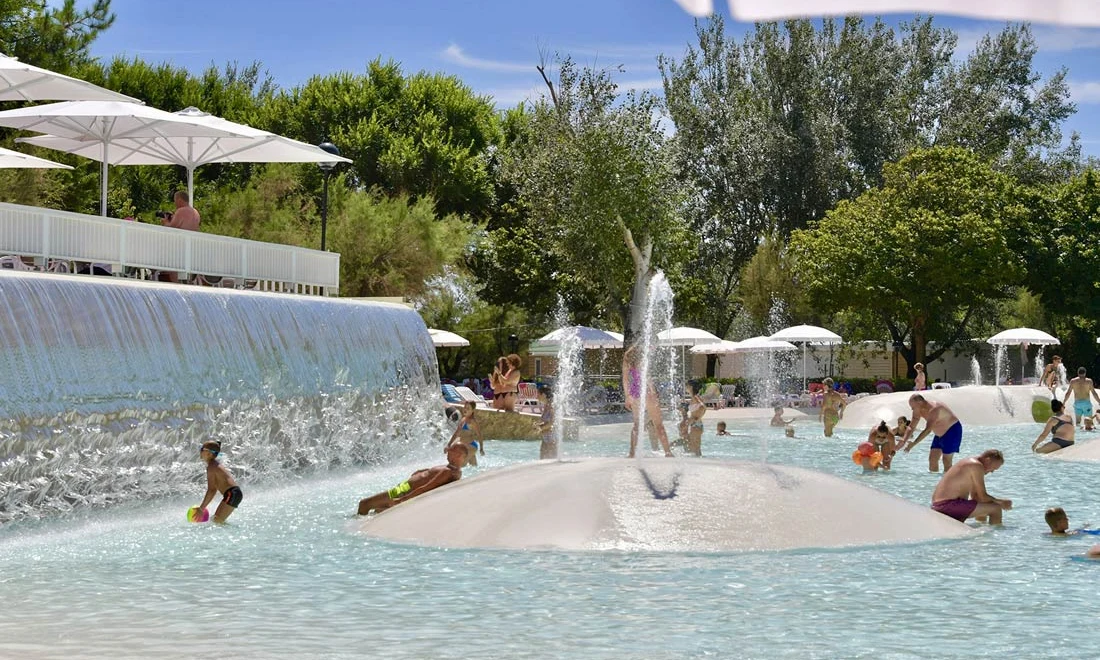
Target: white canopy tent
{"points": [[20, 81], [15, 159], [445, 339], [590, 338], [237, 143], [1069, 12], [724, 347], [104, 122], [806, 335]]}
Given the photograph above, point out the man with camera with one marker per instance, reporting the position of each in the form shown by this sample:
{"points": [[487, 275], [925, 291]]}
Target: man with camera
{"points": [[184, 217]]}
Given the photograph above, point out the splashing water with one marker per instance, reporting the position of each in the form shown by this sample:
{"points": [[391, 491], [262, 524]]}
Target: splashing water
{"points": [[569, 383], [975, 370], [111, 386], [1000, 365], [658, 318], [1040, 362]]}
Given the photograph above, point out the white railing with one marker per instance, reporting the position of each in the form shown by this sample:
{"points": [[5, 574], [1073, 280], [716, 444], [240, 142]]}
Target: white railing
{"points": [[48, 235]]}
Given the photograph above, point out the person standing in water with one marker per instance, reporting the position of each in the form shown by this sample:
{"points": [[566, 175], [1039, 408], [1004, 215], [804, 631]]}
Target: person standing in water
{"points": [[832, 407], [938, 419], [920, 382], [1051, 373], [1083, 393], [633, 391], [218, 480], [696, 410]]}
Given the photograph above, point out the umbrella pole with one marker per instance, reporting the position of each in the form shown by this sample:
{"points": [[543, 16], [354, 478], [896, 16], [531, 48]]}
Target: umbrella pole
{"points": [[804, 345], [103, 182], [191, 185]]}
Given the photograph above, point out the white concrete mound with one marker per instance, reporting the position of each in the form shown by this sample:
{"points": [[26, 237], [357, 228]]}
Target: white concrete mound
{"points": [[1088, 450], [657, 504], [984, 405]]}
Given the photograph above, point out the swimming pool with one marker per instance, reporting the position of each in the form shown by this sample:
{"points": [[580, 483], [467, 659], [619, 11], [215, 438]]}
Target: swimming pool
{"points": [[289, 577]]}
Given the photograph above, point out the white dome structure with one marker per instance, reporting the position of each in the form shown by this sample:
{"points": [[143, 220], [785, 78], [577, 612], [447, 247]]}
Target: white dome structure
{"points": [[665, 505]]}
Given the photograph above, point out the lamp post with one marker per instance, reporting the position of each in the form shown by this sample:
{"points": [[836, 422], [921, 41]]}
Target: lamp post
{"points": [[513, 342], [326, 168]]}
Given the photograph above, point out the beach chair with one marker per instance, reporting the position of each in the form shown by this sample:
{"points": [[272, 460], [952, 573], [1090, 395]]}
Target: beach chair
{"points": [[468, 395], [450, 394], [729, 393], [528, 396], [13, 262], [712, 396]]}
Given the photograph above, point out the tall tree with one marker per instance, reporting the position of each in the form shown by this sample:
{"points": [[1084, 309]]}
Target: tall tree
{"points": [[52, 36], [919, 257], [599, 184]]}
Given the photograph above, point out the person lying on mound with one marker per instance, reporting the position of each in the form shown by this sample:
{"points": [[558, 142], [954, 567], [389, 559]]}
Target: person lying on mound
{"points": [[961, 492], [1059, 523], [419, 482]]}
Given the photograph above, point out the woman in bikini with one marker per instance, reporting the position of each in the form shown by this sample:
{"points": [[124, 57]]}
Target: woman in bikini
{"points": [[505, 379], [632, 393], [469, 434], [920, 382], [1060, 428], [696, 410], [832, 407]]}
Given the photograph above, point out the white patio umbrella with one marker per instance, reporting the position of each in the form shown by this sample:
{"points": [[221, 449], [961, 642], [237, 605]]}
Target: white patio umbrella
{"points": [[589, 337], [104, 122], [806, 335], [763, 344], [24, 82], [15, 159], [1020, 336], [685, 336], [1070, 12], [723, 347], [238, 143], [443, 339]]}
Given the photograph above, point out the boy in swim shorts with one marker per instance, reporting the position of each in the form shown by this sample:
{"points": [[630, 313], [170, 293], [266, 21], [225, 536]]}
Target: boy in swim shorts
{"points": [[419, 482], [218, 480]]}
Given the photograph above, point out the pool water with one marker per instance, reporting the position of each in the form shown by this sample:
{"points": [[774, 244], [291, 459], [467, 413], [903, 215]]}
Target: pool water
{"points": [[290, 576]]}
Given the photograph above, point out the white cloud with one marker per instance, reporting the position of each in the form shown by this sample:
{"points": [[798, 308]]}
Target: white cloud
{"points": [[1087, 92], [1062, 39], [455, 54]]}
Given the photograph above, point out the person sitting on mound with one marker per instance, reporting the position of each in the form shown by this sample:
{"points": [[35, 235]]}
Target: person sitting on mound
{"points": [[961, 492], [419, 482], [1060, 429], [866, 456]]}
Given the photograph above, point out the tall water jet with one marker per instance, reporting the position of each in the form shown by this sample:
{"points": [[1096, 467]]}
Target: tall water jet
{"points": [[111, 385], [1000, 364], [975, 370], [654, 361], [569, 382], [1039, 363]]}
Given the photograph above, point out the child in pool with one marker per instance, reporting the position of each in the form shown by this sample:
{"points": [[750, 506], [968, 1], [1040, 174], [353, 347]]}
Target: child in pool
{"points": [[866, 456], [218, 480], [778, 419], [721, 429], [548, 448], [1059, 523], [882, 438]]}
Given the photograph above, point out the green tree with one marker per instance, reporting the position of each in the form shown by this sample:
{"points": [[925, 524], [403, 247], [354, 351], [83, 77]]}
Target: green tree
{"points": [[919, 257], [599, 184], [50, 36], [424, 135]]}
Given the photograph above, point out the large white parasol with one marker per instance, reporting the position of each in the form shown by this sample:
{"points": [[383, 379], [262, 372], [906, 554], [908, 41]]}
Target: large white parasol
{"points": [[1022, 336], [1070, 12], [806, 335], [20, 81], [443, 339]]}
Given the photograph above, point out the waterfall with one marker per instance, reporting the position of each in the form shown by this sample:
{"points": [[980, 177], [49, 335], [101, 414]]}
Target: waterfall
{"points": [[111, 385]]}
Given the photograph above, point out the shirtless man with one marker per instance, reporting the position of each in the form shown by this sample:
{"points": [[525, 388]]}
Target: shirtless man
{"points": [[420, 482], [1083, 393], [938, 419], [1050, 373], [961, 492], [185, 216], [832, 407]]}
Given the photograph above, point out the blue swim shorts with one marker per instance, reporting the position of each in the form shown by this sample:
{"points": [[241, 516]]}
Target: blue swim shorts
{"points": [[1083, 407], [949, 442]]}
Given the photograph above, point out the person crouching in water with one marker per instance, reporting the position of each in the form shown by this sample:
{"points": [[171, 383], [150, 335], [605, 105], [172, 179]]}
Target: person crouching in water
{"points": [[883, 440], [866, 456], [218, 480], [464, 434]]}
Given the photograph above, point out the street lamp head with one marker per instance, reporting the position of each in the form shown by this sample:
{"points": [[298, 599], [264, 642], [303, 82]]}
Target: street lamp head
{"points": [[330, 148]]}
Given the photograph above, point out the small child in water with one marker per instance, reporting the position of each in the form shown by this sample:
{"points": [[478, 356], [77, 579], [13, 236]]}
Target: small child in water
{"points": [[1059, 523], [777, 418], [721, 429], [866, 456], [218, 480]]}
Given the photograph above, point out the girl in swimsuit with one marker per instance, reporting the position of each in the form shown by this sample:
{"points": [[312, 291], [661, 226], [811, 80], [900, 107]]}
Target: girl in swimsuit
{"points": [[467, 429], [509, 383], [632, 388], [695, 423], [1060, 428]]}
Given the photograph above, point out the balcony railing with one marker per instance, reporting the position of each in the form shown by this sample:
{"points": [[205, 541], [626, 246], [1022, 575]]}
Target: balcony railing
{"points": [[49, 236]]}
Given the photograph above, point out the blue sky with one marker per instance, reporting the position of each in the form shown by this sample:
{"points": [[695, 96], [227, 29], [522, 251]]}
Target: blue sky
{"points": [[493, 45]]}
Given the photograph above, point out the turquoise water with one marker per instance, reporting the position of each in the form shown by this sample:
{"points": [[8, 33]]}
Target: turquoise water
{"points": [[290, 577]]}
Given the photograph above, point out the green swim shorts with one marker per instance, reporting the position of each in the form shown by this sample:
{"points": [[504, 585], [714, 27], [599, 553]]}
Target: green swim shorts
{"points": [[399, 490]]}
